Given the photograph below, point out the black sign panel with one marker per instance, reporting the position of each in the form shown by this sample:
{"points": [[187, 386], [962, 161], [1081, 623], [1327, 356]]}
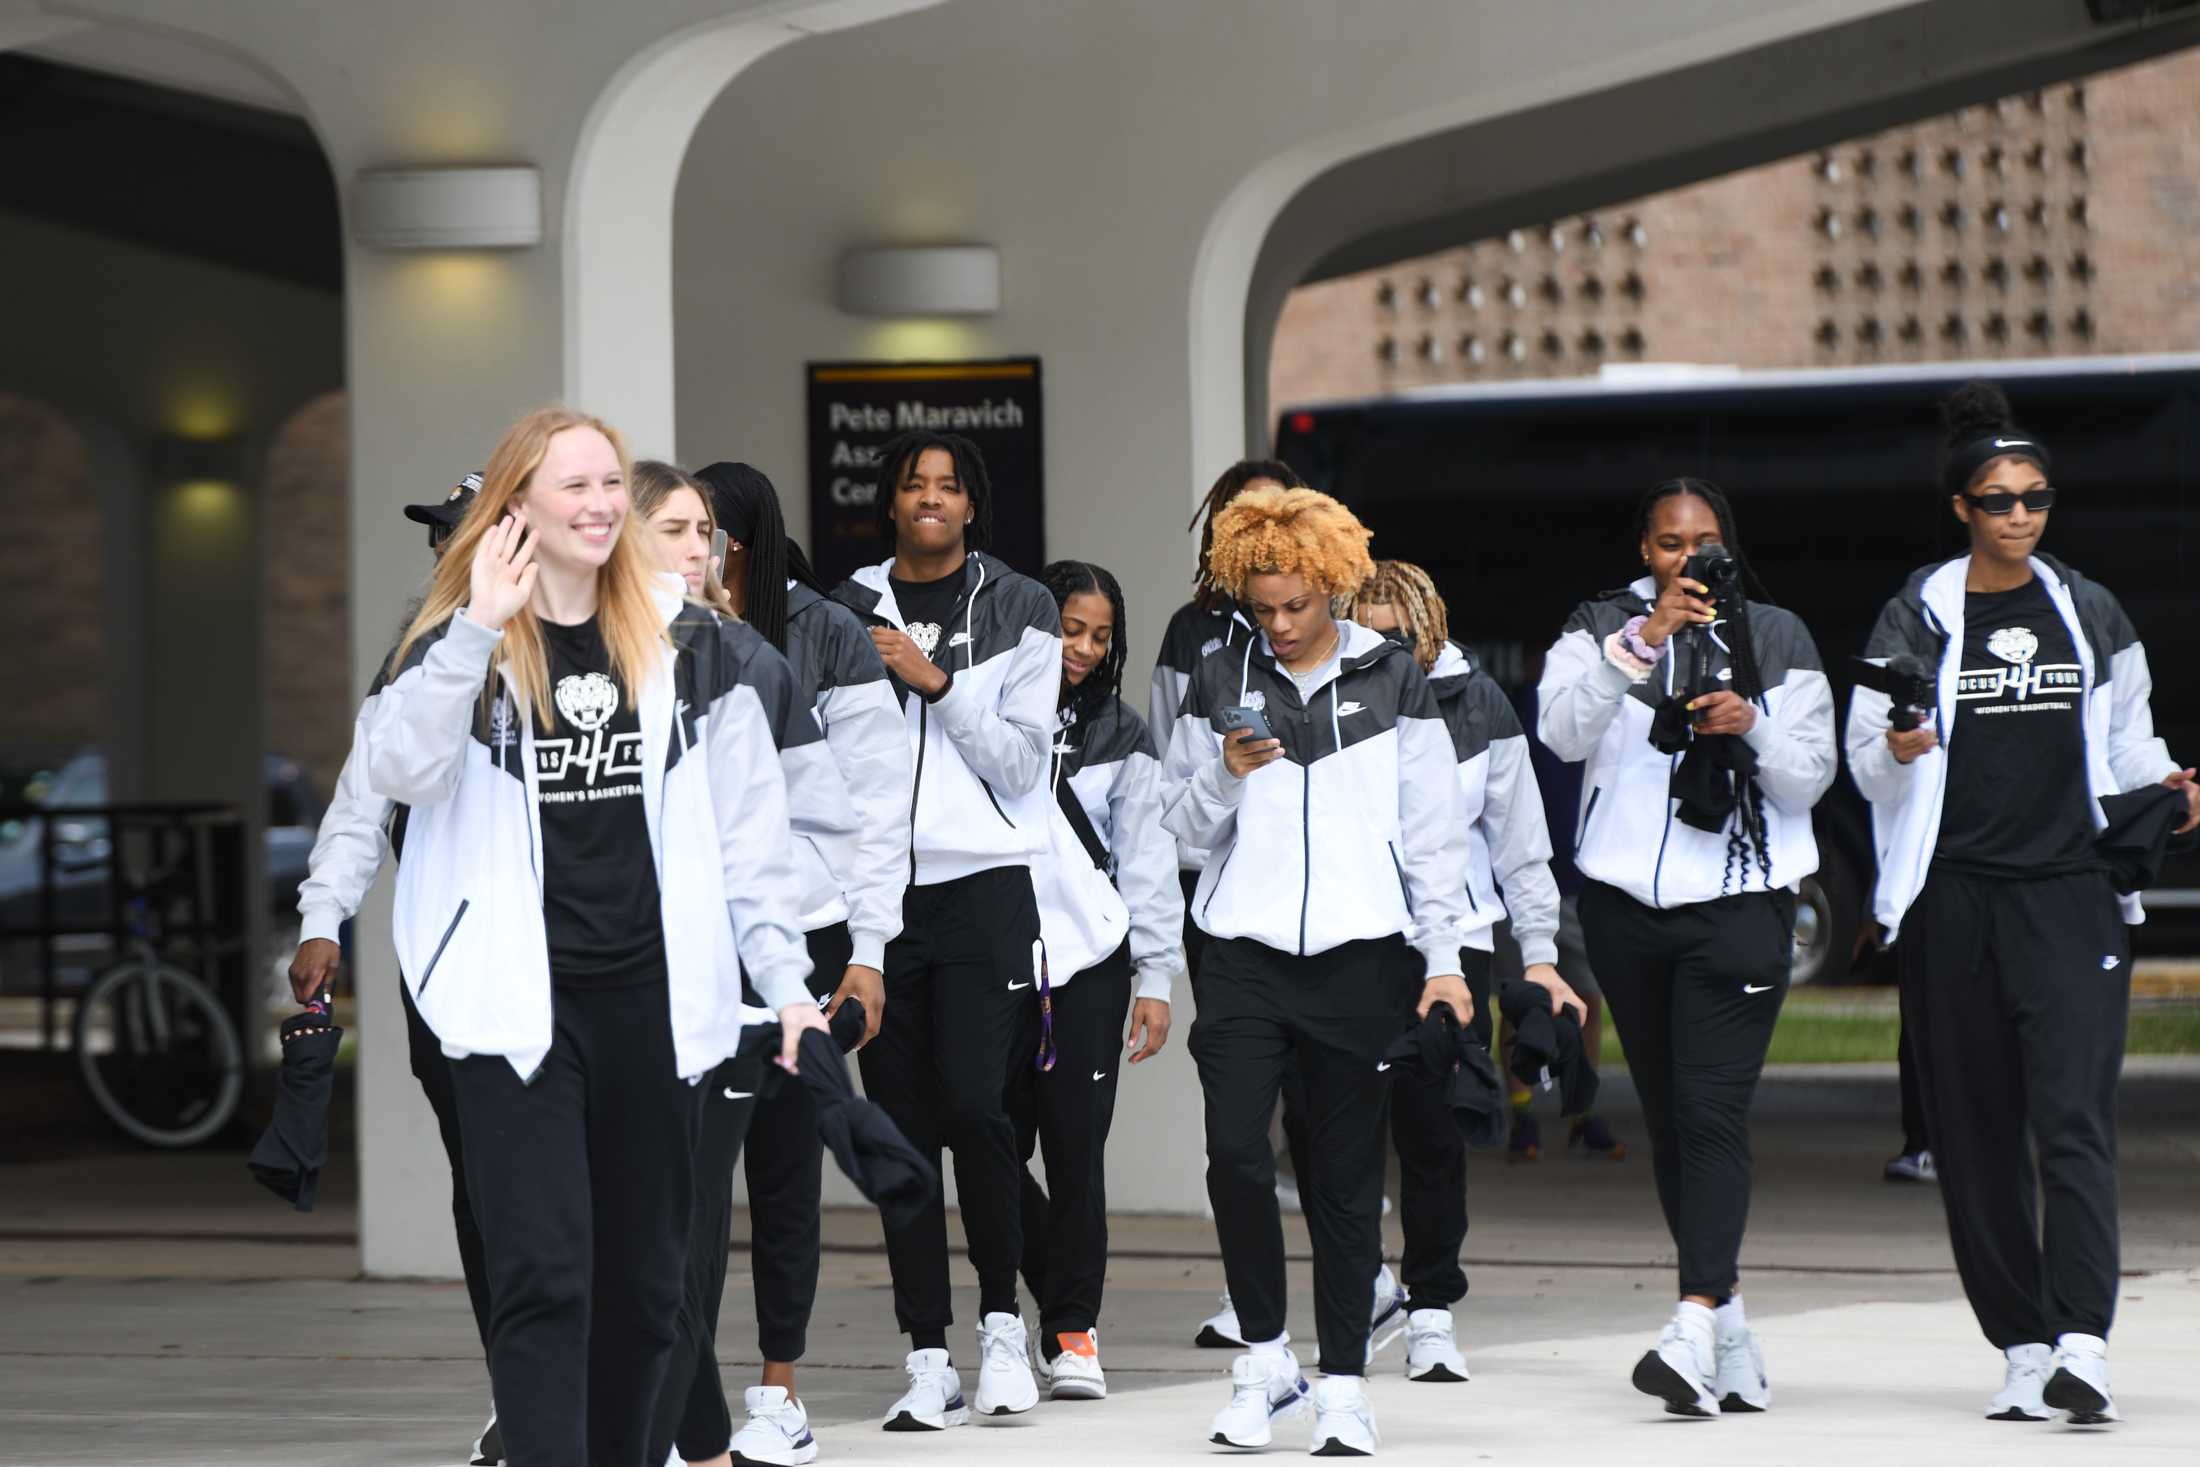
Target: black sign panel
{"points": [[855, 407]]}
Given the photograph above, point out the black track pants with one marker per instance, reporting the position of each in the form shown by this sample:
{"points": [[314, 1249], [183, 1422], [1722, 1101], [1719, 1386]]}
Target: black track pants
{"points": [[1695, 991], [962, 1023], [1331, 1015], [1065, 1113], [433, 1070], [2018, 994], [1432, 1158], [582, 1181], [693, 1412], [784, 1166]]}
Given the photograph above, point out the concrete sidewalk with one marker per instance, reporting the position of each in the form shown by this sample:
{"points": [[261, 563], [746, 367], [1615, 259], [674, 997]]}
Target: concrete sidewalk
{"points": [[161, 1310]]}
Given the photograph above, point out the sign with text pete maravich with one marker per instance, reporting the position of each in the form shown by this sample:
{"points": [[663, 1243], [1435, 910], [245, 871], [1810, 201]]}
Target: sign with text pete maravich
{"points": [[856, 407]]}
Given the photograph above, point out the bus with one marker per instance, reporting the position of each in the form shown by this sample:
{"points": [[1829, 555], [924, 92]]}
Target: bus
{"points": [[1518, 497]]}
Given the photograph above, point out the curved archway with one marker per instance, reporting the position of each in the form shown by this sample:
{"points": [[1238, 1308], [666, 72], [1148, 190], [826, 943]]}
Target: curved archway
{"points": [[618, 205]]}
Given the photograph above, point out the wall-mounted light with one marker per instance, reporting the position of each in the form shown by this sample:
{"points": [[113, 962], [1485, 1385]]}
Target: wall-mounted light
{"points": [[921, 280], [447, 208]]}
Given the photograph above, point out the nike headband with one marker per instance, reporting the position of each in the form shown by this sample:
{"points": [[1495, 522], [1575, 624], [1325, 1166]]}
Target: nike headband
{"points": [[1965, 462]]}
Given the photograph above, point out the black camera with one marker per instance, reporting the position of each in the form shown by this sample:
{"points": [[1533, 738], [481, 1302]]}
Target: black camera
{"points": [[1910, 684], [1715, 567]]}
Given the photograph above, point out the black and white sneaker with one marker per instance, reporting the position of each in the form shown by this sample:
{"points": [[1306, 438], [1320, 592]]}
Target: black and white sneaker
{"points": [[1681, 1369], [2024, 1379], [1741, 1386], [2080, 1382]]}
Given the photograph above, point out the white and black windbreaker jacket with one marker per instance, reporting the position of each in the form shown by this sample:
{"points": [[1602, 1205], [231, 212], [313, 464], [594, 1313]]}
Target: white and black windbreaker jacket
{"points": [[859, 880], [2121, 750], [469, 927], [1193, 632], [1629, 833], [1508, 843], [978, 783], [1108, 763], [1358, 832]]}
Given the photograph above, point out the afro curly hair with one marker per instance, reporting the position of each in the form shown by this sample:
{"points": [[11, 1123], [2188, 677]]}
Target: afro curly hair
{"points": [[1289, 532]]}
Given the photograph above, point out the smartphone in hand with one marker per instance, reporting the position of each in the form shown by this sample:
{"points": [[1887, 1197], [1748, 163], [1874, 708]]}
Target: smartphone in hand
{"points": [[1240, 716]]}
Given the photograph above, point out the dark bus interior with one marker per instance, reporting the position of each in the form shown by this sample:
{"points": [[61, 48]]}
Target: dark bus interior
{"points": [[1519, 501]]}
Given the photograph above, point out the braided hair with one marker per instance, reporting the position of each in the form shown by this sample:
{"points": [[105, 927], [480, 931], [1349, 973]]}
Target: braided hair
{"points": [[900, 455], [1067, 578], [1747, 836], [1407, 589], [747, 507], [1206, 592]]}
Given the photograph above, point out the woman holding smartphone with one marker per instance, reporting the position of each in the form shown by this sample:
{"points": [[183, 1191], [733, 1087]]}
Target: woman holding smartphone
{"points": [[1314, 765], [1707, 724], [2015, 963], [597, 842]]}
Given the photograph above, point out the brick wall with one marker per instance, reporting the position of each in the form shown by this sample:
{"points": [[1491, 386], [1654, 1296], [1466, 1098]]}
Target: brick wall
{"points": [[50, 582], [2055, 223], [310, 699]]}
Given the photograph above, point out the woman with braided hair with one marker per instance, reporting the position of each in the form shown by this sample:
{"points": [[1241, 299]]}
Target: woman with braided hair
{"points": [[1313, 763], [1508, 875], [1211, 621], [1109, 903], [1707, 724]]}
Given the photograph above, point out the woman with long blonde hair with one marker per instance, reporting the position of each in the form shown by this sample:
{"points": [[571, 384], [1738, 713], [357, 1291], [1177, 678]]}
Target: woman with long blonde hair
{"points": [[591, 768]]}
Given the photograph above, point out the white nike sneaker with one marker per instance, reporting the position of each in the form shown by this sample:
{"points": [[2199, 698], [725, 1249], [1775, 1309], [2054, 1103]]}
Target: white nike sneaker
{"points": [[2023, 1381], [1263, 1391], [777, 1433], [1431, 1352], [2080, 1382], [1005, 1386], [1741, 1385], [934, 1400], [1344, 1423], [1387, 1319], [1680, 1370], [1074, 1374], [1220, 1331]]}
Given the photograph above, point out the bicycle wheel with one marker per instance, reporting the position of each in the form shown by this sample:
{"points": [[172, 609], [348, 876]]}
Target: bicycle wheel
{"points": [[158, 1053]]}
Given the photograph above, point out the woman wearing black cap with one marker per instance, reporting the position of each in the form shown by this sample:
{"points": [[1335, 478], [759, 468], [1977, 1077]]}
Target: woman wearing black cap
{"points": [[2014, 960]]}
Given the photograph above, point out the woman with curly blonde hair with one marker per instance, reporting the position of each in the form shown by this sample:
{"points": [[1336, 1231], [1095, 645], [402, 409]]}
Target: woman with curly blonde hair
{"points": [[1315, 768]]}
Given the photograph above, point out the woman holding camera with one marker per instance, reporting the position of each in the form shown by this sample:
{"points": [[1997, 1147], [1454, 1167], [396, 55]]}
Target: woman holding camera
{"points": [[2015, 965], [1707, 723]]}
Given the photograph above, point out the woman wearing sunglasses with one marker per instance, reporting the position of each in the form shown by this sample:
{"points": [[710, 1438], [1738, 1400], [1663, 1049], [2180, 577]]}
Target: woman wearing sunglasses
{"points": [[2014, 961]]}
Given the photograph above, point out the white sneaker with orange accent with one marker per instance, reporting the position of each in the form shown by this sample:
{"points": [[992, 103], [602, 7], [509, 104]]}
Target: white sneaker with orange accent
{"points": [[1074, 1374]]}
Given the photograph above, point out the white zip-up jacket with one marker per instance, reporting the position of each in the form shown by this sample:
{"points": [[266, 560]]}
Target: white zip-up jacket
{"points": [[2121, 750], [348, 852], [978, 782], [1193, 632], [1358, 832], [1508, 843], [1629, 833], [1110, 766], [858, 880], [469, 927]]}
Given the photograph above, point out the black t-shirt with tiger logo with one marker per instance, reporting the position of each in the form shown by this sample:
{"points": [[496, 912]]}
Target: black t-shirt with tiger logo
{"points": [[600, 902], [2017, 803]]}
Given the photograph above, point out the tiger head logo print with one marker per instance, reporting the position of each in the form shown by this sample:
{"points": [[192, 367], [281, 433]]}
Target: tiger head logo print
{"points": [[2013, 644], [587, 700]]}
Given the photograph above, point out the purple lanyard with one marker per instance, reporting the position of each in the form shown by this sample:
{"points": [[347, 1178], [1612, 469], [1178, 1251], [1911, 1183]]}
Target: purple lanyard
{"points": [[1044, 1060]]}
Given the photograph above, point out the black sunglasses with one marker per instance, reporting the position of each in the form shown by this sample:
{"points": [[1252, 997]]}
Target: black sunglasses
{"points": [[2003, 502], [437, 534]]}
